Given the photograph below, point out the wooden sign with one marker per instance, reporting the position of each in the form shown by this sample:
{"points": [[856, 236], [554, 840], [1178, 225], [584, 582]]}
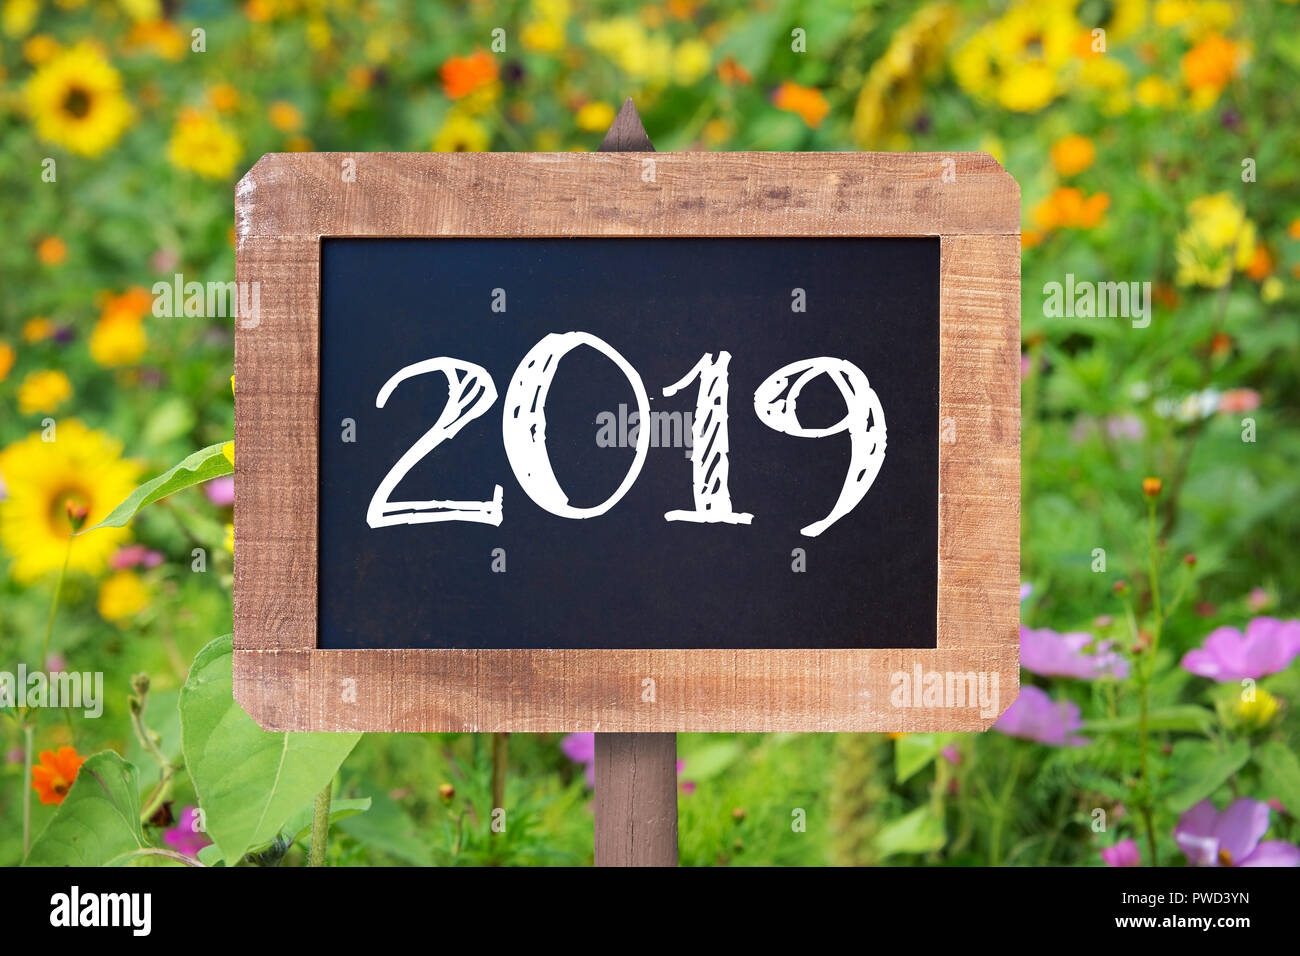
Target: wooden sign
{"points": [[628, 442]]}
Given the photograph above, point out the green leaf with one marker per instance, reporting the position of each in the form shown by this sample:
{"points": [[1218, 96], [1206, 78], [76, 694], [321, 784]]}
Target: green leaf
{"points": [[1280, 774], [917, 832], [99, 819], [249, 782], [709, 761], [199, 467], [389, 828], [914, 752], [169, 421], [1187, 717], [1199, 768]]}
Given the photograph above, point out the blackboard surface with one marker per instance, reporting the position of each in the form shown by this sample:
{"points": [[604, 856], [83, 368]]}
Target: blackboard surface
{"points": [[628, 578]]}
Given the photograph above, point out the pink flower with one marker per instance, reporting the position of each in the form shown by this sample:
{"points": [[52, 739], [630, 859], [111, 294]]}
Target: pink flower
{"points": [[1258, 599], [951, 754], [1123, 853], [1026, 589], [1237, 400], [1035, 716], [135, 555], [220, 491], [1050, 654], [1231, 838], [186, 837], [1228, 656], [581, 748]]}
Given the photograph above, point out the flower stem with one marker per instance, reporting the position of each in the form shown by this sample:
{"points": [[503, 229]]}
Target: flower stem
{"points": [[54, 606], [320, 826], [500, 753], [28, 732]]}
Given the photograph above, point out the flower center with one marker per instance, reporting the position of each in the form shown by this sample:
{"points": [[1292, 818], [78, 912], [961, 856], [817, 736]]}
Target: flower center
{"points": [[60, 523], [76, 102], [1225, 857]]}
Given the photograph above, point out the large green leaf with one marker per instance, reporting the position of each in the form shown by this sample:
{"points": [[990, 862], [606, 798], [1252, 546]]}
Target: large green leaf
{"points": [[1280, 774], [203, 465], [1199, 768], [249, 782], [99, 819]]}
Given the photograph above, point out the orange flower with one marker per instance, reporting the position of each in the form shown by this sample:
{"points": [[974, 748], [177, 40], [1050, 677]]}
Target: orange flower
{"points": [[804, 100], [1030, 238], [1293, 230], [731, 72], [1261, 264], [1068, 208], [51, 250], [1151, 487], [1073, 155], [53, 776], [1210, 64], [463, 75]]}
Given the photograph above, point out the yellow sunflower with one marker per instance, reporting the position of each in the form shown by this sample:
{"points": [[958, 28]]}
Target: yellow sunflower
{"points": [[81, 466], [76, 100], [199, 142]]}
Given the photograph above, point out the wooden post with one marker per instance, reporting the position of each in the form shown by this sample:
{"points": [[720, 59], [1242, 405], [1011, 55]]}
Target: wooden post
{"points": [[636, 774]]}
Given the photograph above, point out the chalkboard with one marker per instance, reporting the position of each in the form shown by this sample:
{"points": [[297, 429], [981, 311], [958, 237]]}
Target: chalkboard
{"points": [[629, 577], [452, 515]]}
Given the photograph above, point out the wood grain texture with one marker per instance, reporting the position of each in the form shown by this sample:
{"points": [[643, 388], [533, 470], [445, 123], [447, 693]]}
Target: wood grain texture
{"points": [[288, 202], [636, 800], [606, 194]]}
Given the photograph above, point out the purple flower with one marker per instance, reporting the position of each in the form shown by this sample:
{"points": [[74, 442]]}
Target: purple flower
{"points": [[1123, 853], [186, 837], [581, 748], [220, 491], [1231, 838], [1026, 589], [1069, 655], [1035, 716], [1228, 656]]}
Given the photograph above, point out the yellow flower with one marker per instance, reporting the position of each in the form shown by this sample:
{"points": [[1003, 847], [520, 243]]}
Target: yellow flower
{"points": [[51, 251], [691, 62], [285, 116], [1108, 77], [7, 357], [1259, 712], [118, 339], [1028, 87], [200, 143], [121, 596], [38, 329], [80, 466], [1073, 155], [1154, 93], [624, 40], [18, 16], [461, 134], [76, 100], [890, 96], [229, 541], [43, 391], [1196, 18], [39, 48], [1218, 239], [223, 97], [542, 36], [1119, 18], [595, 116]]}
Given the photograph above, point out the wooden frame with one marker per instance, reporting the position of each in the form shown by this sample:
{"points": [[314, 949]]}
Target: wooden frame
{"points": [[288, 202]]}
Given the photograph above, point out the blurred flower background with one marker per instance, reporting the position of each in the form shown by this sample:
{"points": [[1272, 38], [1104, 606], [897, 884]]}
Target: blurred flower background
{"points": [[1154, 141]]}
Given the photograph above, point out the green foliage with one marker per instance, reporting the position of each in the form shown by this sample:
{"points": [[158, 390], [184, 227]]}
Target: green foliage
{"points": [[250, 783], [98, 823]]}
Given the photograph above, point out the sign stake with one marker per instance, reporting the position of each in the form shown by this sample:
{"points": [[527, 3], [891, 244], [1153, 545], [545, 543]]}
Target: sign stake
{"points": [[636, 774]]}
